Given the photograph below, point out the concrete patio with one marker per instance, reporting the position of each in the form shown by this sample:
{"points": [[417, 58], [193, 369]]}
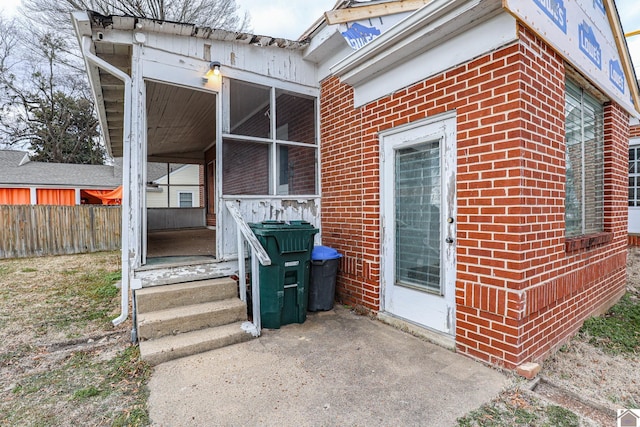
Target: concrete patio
{"points": [[337, 368]]}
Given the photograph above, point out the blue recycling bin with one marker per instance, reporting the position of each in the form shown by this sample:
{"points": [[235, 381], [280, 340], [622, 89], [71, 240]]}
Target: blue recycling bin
{"points": [[322, 283]]}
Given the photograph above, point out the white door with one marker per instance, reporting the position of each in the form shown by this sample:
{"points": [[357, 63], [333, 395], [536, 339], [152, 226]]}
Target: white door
{"points": [[418, 222]]}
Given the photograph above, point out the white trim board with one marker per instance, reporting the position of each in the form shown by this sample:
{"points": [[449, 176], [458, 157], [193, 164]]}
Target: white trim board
{"points": [[485, 37]]}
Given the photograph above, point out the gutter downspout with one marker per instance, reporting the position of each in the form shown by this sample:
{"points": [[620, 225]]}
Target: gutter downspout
{"points": [[126, 166]]}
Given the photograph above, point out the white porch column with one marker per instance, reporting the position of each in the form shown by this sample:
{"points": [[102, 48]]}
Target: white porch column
{"points": [[137, 153]]}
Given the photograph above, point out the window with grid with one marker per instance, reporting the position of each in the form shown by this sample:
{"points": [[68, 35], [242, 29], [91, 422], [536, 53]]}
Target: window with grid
{"points": [[185, 200], [634, 176], [584, 199]]}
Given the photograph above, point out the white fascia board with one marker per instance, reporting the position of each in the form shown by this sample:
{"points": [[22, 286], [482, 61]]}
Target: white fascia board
{"points": [[81, 24], [333, 50], [322, 43], [429, 26], [482, 38], [324, 68]]}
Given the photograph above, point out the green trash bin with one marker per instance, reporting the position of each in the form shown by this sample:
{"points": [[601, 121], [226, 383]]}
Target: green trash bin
{"points": [[284, 285]]}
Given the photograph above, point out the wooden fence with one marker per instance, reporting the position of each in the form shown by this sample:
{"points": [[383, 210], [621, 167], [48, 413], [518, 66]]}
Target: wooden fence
{"points": [[27, 230]]}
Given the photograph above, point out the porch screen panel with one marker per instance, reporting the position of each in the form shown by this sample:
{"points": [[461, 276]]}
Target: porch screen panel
{"points": [[245, 168], [298, 114], [417, 216], [250, 109], [270, 141], [167, 181], [296, 170]]}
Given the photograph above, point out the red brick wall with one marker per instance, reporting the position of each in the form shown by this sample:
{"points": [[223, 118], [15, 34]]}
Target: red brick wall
{"points": [[518, 292], [635, 131]]}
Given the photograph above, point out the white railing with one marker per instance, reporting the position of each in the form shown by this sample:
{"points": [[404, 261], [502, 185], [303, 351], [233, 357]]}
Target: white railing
{"points": [[257, 256]]}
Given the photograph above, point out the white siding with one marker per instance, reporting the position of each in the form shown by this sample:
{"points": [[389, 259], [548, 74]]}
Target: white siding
{"points": [[185, 179]]}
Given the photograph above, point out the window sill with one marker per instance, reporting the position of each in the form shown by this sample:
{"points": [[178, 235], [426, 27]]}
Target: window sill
{"points": [[587, 241]]}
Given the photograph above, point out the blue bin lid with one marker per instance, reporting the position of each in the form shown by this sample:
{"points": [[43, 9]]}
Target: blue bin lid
{"points": [[321, 253]]}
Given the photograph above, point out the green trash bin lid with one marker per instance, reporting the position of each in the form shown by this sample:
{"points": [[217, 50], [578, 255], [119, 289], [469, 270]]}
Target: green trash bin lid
{"points": [[281, 225]]}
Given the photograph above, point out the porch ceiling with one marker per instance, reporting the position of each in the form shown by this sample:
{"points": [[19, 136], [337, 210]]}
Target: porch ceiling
{"points": [[181, 122], [113, 91]]}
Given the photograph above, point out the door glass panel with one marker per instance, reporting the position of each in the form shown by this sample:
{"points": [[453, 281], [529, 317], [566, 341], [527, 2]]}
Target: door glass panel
{"points": [[417, 216]]}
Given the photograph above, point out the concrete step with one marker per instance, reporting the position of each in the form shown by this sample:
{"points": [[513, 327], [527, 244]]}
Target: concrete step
{"points": [[167, 274], [189, 318], [175, 346], [170, 296]]}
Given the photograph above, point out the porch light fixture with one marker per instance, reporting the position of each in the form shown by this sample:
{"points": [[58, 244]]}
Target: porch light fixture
{"points": [[214, 70]]}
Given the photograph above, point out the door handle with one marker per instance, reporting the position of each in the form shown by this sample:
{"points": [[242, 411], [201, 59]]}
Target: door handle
{"points": [[448, 240]]}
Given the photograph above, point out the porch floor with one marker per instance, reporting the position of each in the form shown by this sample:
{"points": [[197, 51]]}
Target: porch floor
{"points": [[181, 245]]}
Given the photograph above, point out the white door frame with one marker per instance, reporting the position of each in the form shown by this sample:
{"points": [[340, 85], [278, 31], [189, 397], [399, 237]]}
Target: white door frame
{"points": [[431, 311]]}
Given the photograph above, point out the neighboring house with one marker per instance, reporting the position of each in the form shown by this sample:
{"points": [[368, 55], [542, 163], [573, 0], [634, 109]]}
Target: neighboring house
{"points": [[469, 161], [23, 182], [634, 183], [173, 197], [179, 188]]}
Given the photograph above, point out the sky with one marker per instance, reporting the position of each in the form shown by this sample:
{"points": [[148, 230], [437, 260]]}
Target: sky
{"points": [[284, 18], [291, 18]]}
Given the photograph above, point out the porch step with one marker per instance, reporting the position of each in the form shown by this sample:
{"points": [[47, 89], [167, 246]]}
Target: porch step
{"points": [[180, 272], [175, 346], [182, 319], [164, 297], [188, 318]]}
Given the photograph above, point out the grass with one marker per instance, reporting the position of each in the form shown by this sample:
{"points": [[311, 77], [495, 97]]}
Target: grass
{"points": [[561, 417], [84, 378], [52, 373], [618, 331], [514, 408], [92, 294]]}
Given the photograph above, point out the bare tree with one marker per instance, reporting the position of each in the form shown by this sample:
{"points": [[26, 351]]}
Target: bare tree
{"points": [[9, 64], [8, 41], [222, 14], [43, 108]]}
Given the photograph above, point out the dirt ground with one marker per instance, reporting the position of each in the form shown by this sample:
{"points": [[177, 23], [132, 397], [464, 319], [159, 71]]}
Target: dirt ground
{"points": [[610, 380]]}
